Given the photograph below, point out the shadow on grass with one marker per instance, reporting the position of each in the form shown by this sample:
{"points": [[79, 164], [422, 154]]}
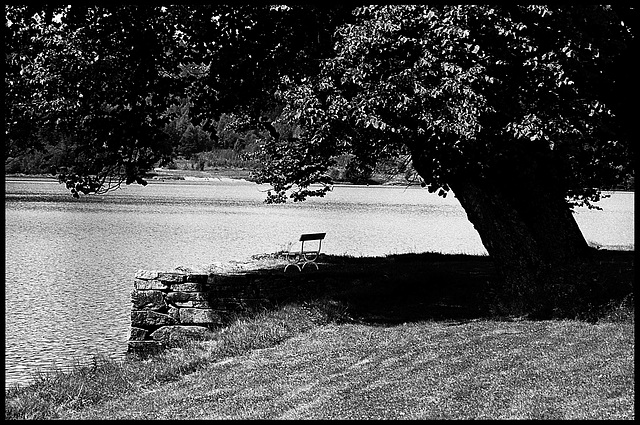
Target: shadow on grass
{"points": [[412, 287], [403, 288]]}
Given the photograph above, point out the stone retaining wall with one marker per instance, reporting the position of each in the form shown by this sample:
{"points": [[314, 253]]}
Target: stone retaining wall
{"points": [[171, 306]]}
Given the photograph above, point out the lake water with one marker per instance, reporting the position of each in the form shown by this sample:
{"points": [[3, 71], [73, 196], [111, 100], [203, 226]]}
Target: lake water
{"points": [[69, 264]]}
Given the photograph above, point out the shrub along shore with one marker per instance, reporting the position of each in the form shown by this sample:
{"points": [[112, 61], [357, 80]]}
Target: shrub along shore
{"points": [[400, 346]]}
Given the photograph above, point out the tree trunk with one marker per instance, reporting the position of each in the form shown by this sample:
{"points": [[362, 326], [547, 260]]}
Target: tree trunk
{"points": [[535, 243], [529, 231]]}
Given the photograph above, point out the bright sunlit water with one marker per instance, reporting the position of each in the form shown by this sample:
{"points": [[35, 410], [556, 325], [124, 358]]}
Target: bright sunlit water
{"points": [[69, 264]]}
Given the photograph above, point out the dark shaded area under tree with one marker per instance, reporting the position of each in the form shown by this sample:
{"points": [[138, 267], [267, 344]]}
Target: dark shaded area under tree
{"points": [[402, 288]]}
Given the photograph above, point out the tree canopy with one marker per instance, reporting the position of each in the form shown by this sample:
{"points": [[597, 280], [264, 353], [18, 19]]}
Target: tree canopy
{"points": [[473, 89], [100, 84], [92, 83]]}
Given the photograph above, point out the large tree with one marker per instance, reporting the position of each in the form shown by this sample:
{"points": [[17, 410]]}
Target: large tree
{"points": [[518, 110]]}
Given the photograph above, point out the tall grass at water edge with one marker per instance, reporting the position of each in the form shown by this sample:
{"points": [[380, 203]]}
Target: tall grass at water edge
{"points": [[53, 392]]}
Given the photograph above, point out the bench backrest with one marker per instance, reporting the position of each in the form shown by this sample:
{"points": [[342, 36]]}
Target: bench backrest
{"points": [[312, 236]]}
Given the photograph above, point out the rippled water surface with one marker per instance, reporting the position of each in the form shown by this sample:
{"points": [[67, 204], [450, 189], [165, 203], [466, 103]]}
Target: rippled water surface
{"points": [[70, 263]]}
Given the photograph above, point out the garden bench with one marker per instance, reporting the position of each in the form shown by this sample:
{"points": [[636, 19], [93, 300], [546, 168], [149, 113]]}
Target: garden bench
{"points": [[301, 258]]}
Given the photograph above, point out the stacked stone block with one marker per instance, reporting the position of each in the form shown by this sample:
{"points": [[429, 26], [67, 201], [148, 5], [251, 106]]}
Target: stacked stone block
{"points": [[171, 306], [163, 310]]}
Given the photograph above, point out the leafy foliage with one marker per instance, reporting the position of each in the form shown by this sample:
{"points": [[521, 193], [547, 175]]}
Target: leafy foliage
{"points": [[106, 78], [472, 90], [92, 77]]}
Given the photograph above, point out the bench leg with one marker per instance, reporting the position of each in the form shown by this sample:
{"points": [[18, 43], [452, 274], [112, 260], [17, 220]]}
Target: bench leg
{"points": [[294, 265], [310, 262]]}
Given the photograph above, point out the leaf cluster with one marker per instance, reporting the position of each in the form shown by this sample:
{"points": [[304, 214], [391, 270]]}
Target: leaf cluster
{"points": [[105, 77], [475, 90]]}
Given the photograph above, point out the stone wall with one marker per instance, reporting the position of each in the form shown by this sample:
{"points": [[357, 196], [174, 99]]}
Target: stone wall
{"points": [[171, 306]]}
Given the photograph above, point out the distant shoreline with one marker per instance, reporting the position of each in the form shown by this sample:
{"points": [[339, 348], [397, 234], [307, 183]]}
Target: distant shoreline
{"points": [[162, 174]]}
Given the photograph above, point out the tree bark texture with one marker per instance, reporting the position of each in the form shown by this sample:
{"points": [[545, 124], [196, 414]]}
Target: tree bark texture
{"points": [[529, 231]]}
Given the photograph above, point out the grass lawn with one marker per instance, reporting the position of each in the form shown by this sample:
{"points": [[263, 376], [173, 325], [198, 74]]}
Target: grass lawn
{"points": [[402, 342], [429, 370]]}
